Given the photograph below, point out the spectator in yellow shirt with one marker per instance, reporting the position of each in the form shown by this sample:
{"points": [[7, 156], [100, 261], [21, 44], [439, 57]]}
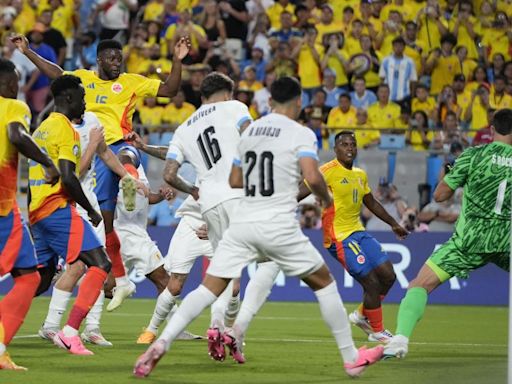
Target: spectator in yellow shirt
{"points": [[150, 114], [391, 29], [186, 28], [446, 102], [498, 38], [176, 112], [327, 24], [414, 48], [422, 101], [154, 65], [419, 136], [498, 98], [467, 66], [431, 26], [337, 59], [154, 10], [466, 28], [341, 117], [496, 67], [476, 113], [249, 81], [442, 64], [308, 54], [479, 78], [463, 95], [274, 11], [352, 44], [384, 114], [366, 135]]}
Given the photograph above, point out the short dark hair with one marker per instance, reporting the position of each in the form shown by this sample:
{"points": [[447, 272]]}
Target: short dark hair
{"points": [[285, 89], [63, 83], [7, 67], [344, 133], [449, 38], [383, 85], [344, 96], [502, 121], [500, 77], [422, 86], [216, 82], [108, 44], [359, 78]]}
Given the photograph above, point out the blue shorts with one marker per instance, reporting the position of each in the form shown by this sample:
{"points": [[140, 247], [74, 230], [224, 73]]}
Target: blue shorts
{"points": [[359, 253], [16, 247], [107, 182], [63, 234]]}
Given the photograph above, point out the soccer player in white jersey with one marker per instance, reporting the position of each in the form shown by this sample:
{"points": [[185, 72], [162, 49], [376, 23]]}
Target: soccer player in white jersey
{"points": [[273, 153], [92, 143]]}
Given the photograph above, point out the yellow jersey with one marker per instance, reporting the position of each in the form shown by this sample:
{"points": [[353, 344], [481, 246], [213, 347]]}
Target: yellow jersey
{"points": [[463, 37], [274, 13], [365, 134], [309, 69], [11, 111], [335, 64], [151, 116], [57, 137], [113, 101], [463, 100], [384, 117], [339, 120], [478, 116], [153, 11], [500, 102], [496, 41], [444, 72], [255, 86], [171, 30], [348, 187], [325, 29], [62, 20], [173, 115], [426, 106]]}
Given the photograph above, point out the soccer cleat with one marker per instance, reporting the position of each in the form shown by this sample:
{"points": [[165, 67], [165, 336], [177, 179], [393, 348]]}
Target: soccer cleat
{"points": [[216, 348], [72, 344], [120, 294], [146, 337], [397, 347], [7, 363], [47, 333], [149, 359], [361, 321], [129, 188], [366, 358], [94, 336], [381, 337], [186, 335], [234, 349]]}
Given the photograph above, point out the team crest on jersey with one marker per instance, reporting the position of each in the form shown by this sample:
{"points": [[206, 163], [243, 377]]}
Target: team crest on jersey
{"points": [[360, 259], [76, 150], [117, 88]]}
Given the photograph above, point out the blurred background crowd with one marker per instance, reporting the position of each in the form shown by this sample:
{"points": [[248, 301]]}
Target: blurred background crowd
{"points": [[408, 76]]}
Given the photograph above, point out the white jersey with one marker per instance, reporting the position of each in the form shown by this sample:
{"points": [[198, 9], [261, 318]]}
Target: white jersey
{"points": [[270, 149], [89, 122], [137, 219], [208, 140]]}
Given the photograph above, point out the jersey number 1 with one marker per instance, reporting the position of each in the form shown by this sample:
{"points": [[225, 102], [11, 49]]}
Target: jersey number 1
{"points": [[209, 147], [502, 188], [266, 172]]}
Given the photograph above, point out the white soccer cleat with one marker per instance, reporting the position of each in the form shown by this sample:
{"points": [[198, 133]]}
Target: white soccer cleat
{"points": [[186, 335], [361, 321], [397, 347], [119, 295], [47, 333], [381, 337], [95, 337]]}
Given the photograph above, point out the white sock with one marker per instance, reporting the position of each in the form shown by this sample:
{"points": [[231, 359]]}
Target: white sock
{"points": [[232, 310], [219, 307], [58, 305], [163, 307], [173, 311], [69, 331], [335, 315], [191, 307], [122, 281], [92, 320], [256, 293]]}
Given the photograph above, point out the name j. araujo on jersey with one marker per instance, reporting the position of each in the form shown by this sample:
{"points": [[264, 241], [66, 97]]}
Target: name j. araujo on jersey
{"points": [[502, 160], [265, 131]]}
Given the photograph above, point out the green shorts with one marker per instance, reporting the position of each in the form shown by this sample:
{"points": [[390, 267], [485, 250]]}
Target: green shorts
{"points": [[450, 259]]}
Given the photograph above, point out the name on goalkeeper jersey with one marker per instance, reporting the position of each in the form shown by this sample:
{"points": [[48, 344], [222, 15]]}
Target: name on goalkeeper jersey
{"points": [[502, 160], [265, 131], [200, 114]]}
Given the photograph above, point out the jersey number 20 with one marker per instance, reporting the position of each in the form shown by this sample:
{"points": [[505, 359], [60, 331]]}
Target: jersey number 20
{"points": [[266, 172], [209, 147]]}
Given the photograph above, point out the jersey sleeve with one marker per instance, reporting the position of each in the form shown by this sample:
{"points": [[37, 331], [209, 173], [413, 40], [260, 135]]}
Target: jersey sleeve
{"points": [[306, 144], [366, 186], [67, 144], [459, 173], [145, 87], [175, 150], [241, 113], [20, 113]]}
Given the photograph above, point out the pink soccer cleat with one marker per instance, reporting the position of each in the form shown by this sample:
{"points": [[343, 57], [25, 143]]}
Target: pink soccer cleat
{"points": [[235, 348], [149, 359], [366, 357], [72, 344], [216, 344]]}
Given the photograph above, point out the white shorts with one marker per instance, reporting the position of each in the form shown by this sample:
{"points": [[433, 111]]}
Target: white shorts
{"points": [[217, 219], [139, 251], [186, 247], [282, 242], [100, 229]]}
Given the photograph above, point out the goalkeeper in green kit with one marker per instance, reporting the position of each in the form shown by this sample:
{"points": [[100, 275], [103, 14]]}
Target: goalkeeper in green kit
{"points": [[482, 232]]}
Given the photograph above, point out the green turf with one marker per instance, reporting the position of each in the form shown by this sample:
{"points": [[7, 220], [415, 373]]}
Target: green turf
{"points": [[287, 343]]}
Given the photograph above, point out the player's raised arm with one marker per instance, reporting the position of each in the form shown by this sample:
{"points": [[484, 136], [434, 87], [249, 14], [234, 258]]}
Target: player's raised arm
{"points": [[19, 137], [160, 152], [171, 177], [455, 178], [96, 136], [172, 84], [315, 180], [47, 67]]}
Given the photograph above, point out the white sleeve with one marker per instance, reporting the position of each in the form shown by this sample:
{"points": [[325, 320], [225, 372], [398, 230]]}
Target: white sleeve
{"points": [[306, 143], [382, 71], [175, 150], [414, 75], [241, 114]]}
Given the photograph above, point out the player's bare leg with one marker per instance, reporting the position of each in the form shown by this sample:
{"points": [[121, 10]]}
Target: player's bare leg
{"points": [[160, 278]]}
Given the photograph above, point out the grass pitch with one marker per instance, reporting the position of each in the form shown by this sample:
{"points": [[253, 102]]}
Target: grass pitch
{"points": [[287, 343]]}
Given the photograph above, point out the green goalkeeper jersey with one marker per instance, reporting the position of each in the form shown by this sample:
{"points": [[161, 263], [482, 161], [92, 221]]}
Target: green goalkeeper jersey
{"points": [[485, 172]]}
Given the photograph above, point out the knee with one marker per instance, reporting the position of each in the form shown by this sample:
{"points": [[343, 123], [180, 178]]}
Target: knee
{"points": [[236, 288], [105, 264], [43, 285], [388, 280]]}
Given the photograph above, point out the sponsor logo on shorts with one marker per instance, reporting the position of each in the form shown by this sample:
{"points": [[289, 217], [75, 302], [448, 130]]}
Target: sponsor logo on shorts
{"points": [[361, 259], [117, 88]]}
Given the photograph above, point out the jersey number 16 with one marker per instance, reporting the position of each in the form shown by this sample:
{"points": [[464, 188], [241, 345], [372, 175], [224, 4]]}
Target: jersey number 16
{"points": [[209, 147]]}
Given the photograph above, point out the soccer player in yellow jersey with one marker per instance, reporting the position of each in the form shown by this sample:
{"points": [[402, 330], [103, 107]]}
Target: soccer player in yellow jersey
{"points": [[112, 96], [17, 255], [346, 239], [57, 227]]}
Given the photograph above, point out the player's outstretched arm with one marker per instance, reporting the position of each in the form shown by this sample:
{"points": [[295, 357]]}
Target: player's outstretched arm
{"points": [[74, 189], [171, 177], [443, 192], [25, 145], [236, 177], [160, 152], [315, 180], [172, 84], [96, 136], [304, 191], [378, 210], [50, 69]]}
